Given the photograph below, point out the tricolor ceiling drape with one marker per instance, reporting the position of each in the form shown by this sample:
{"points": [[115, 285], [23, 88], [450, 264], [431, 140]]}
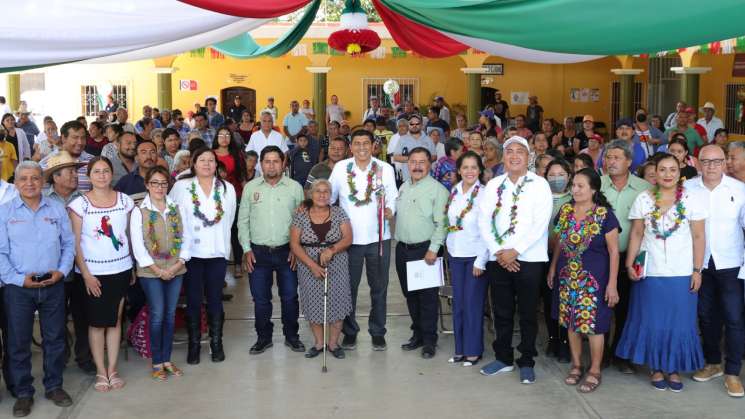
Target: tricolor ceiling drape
{"points": [[46, 32]]}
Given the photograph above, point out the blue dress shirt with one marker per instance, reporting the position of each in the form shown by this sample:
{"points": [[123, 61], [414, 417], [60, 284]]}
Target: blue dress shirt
{"points": [[34, 242]]}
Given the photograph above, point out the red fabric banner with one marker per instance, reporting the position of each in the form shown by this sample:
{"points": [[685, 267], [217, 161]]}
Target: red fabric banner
{"points": [[250, 8], [412, 36]]}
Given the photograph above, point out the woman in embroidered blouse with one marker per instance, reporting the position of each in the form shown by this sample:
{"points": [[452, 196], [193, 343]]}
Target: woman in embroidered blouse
{"points": [[100, 219], [585, 263], [158, 235], [467, 257], [207, 205], [668, 226]]}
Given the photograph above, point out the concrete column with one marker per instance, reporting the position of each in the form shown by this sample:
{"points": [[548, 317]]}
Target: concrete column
{"points": [[626, 99], [473, 92], [14, 91], [689, 78], [164, 87], [319, 96]]}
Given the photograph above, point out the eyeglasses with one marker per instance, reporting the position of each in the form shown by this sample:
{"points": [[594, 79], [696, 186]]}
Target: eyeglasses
{"points": [[162, 185], [712, 162]]}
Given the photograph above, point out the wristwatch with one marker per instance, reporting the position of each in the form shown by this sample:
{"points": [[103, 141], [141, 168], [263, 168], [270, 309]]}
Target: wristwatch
{"points": [[697, 270]]}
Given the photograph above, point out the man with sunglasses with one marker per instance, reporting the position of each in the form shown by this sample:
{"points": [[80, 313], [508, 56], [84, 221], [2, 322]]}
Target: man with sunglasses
{"points": [[720, 301], [415, 138]]}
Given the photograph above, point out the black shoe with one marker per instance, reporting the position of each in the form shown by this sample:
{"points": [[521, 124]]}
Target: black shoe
{"points": [[412, 344], [295, 345], [338, 353], [216, 323], [350, 342], [88, 368], [428, 351], [313, 352], [22, 407], [260, 346], [193, 328], [378, 343], [59, 397], [564, 356]]}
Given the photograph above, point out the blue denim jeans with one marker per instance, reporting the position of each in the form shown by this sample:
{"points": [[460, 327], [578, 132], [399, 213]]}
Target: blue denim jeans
{"points": [[261, 279], [20, 305], [204, 278], [162, 297]]}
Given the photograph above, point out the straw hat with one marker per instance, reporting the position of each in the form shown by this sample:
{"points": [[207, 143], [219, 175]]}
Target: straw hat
{"points": [[60, 161]]}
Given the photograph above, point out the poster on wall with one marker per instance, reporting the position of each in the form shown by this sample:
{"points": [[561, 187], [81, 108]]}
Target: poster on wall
{"points": [[574, 94], [595, 95], [584, 94], [187, 85], [519, 98]]}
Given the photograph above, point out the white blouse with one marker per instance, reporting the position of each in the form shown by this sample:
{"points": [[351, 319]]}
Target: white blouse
{"points": [[467, 242], [7, 191], [141, 254], [674, 256], [206, 241], [103, 235]]}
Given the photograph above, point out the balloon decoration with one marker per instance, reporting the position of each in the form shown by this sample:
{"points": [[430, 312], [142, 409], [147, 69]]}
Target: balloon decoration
{"points": [[354, 37]]}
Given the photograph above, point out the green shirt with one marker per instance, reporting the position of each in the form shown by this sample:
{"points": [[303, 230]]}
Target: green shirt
{"points": [[621, 201], [692, 138], [266, 212], [420, 213]]}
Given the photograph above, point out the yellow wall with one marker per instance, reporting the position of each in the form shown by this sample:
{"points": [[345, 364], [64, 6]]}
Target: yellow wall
{"points": [[712, 85]]}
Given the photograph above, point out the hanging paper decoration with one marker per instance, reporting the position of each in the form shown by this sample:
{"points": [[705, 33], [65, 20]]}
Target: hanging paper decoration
{"points": [[354, 37], [391, 88], [300, 50], [397, 52], [320, 48], [197, 53], [378, 53], [216, 55]]}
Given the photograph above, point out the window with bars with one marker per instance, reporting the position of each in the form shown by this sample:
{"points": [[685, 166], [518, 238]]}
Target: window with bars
{"points": [[615, 104], [92, 102], [731, 108], [408, 90]]}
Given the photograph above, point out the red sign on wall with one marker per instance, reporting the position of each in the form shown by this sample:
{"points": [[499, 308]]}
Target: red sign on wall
{"points": [[188, 85]]}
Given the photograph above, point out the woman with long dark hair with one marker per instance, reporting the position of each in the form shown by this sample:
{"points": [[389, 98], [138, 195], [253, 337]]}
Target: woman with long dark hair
{"points": [[668, 227], [467, 257], [229, 153], [585, 263], [207, 204], [16, 137]]}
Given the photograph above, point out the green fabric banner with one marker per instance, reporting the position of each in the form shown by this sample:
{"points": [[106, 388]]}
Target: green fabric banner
{"points": [[243, 46], [597, 27]]}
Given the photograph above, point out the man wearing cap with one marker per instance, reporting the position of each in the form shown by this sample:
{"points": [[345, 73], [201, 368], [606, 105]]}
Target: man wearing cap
{"points": [[235, 112], [37, 247], [710, 122], [61, 174], [682, 126], [373, 111], [721, 302], [73, 141], [420, 232], [413, 139], [273, 111], [514, 213]]}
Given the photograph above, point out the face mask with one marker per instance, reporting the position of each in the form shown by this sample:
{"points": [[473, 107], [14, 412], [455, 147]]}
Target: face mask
{"points": [[641, 117], [558, 184]]}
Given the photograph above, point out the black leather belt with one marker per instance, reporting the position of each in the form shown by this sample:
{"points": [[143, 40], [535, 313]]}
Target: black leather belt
{"points": [[419, 245], [271, 249]]}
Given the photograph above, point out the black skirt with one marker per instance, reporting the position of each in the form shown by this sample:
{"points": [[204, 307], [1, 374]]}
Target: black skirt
{"points": [[103, 311]]}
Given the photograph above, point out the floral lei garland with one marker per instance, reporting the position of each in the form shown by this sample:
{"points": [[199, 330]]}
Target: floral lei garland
{"points": [[368, 190], [680, 213], [218, 205], [578, 286], [500, 237], [173, 223], [459, 219]]}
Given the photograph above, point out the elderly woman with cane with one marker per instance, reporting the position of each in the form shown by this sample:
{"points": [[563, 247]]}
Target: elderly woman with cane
{"points": [[319, 239]]}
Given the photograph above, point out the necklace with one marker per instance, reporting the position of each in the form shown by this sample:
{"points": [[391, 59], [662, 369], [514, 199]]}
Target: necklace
{"points": [[218, 205], [500, 237], [680, 214], [368, 190], [173, 228], [459, 219]]}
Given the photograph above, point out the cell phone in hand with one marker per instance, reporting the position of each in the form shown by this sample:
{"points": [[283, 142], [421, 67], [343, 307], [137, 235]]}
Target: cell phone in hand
{"points": [[40, 278]]}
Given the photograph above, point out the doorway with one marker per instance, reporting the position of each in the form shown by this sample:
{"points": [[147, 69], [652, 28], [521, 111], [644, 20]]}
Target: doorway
{"points": [[487, 96], [248, 99]]}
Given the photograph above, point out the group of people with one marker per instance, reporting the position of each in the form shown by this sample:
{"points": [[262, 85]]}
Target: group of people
{"points": [[518, 214]]}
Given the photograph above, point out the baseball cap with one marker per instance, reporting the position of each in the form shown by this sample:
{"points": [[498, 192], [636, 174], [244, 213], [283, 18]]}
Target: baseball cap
{"points": [[588, 117], [625, 121], [596, 137], [689, 110], [516, 139]]}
